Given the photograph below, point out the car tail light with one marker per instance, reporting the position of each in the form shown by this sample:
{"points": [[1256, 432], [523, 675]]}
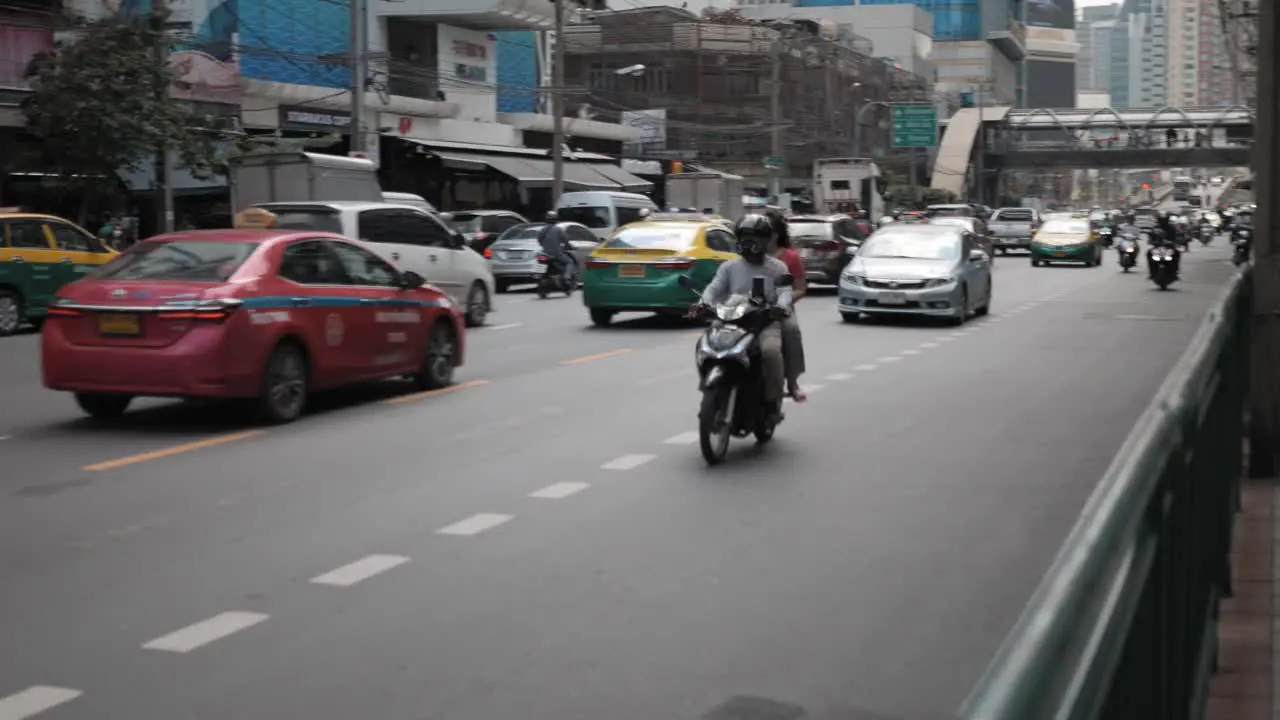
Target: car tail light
{"points": [[676, 263], [488, 253], [209, 311], [542, 259], [597, 264], [62, 312]]}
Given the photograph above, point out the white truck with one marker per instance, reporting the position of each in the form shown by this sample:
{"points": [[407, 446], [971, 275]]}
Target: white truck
{"points": [[840, 183], [713, 193]]}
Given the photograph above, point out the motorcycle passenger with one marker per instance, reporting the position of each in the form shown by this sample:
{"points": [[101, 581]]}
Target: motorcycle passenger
{"points": [[555, 245], [735, 277], [792, 340]]}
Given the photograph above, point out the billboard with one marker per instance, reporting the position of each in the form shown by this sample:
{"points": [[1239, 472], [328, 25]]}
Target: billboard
{"points": [[1051, 13], [1051, 84]]}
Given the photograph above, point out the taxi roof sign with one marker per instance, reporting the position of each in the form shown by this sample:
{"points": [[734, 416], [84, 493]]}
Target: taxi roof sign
{"points": [[255, 218]]}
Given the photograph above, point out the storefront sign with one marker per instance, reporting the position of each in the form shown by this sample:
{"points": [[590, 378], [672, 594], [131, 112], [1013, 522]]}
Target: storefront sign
{"points": [[302, 118], [466, 60]]}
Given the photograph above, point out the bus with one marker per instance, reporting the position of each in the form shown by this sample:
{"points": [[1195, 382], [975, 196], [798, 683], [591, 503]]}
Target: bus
{"points": [[1182, 188]]}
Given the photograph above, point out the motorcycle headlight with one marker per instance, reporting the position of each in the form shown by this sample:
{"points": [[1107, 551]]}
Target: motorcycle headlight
{"points": [[724, 338], [939, 282], [730, 313]]}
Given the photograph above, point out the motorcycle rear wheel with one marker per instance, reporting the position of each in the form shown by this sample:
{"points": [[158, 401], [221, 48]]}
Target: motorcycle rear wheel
{"points": [[715, 422]]}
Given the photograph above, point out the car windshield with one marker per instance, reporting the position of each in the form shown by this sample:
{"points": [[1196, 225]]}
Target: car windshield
{"points": [[465, 222], [592, 217], [954, 221], [912, 245], [816, 229], [652, 238], [190, 260], [1065, 227], [319, 219], [1015, 215]]}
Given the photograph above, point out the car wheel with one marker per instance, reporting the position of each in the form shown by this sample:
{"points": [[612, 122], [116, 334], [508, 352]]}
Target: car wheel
{"points": [[963, 313], [1035, 262], [103, 406], [439, 361], [477, 304], [601, 318], [284, 385], [10, 312]]}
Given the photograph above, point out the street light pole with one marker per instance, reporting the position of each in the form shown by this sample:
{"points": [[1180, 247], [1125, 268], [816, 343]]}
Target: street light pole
{"points": [[358, 75], [557, 108], [776, 148], [164, 158]]}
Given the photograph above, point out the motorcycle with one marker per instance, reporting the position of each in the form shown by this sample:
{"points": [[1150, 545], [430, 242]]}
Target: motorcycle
{"points": [[554, 279], [1163, 262], [732, 381], [1106, 236], [1128, 250], [1241, 240], [1207, 232]]}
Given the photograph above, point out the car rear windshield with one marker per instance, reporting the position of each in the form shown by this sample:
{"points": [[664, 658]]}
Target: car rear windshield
{"points": [[523, 232], [651, 238], [818, 229], [949, 211], [318, 219], [465, 222], [191, 260], [1014, 215], [592, 217]]}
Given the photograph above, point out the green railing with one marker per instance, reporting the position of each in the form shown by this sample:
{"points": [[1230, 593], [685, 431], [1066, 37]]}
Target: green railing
{"points": [[1124, 624]]}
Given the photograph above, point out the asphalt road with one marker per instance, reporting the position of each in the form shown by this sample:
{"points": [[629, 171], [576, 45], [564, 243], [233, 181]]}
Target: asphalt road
{"points": [[545, 543]]}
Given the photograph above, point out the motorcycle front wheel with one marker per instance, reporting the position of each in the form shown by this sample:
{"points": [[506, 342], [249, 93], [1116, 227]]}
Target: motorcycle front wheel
{"points": [[715, 422]]}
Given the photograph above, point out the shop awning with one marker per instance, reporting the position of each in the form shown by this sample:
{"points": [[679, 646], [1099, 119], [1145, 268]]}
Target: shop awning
{"points": [[624, 179], [581, 176], [530, 171]]}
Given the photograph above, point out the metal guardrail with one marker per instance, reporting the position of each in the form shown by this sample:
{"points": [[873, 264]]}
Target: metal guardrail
{"points": [[1124, 624]]}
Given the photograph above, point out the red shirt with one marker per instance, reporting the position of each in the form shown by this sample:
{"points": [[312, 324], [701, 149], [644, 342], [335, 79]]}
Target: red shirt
{"points": [[795, 265]]}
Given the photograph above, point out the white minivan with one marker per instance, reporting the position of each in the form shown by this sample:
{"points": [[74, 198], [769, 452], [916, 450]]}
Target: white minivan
{"points": [[602, 211], [412, 238]]}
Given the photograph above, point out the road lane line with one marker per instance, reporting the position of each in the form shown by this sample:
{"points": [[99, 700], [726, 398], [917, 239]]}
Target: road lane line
{"points": [[890, 359], [508, 326], [910, 352], [687, 438], [928, 345], [171, 451], [865, 368], [475, 524], [360, 570], [659, 379], [627, 462], [35, 700], [597, 356], [560, 490], [944, 338], [204, 632], [400, 400], [838, 376]]}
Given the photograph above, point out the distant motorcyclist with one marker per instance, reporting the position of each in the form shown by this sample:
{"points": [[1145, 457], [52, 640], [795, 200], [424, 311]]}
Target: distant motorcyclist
{"points": [[555, 245], [736, 277], [1166, 238]]}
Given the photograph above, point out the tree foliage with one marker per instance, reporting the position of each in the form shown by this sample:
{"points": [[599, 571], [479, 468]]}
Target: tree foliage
{"points": [[101, 104]]}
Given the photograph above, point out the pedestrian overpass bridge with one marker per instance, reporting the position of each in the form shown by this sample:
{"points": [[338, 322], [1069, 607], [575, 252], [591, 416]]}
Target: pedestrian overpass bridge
{"points": [[1080, 138]]}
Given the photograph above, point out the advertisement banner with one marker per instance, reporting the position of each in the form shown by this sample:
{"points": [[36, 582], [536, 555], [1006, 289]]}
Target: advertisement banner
{"points": [[1052, 13], [467, 71], [206, 32]]}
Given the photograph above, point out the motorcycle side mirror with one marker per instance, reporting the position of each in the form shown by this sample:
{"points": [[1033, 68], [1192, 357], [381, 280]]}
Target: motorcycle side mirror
{"points": [[785, 281]]}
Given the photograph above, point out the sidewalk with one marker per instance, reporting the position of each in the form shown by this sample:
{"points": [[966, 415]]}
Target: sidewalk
{"points": [[1242, 689]]}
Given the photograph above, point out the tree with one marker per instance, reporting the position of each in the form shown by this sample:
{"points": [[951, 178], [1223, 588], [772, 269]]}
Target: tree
{"points": [[101, 104]]}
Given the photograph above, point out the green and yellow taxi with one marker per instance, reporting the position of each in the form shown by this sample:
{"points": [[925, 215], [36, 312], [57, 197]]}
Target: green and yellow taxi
{"points": [[1066, 239], [637, 268], [38, 255]]}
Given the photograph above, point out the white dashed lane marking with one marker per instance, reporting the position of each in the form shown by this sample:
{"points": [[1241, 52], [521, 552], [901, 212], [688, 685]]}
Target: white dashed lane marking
{"points": [[890, 359], [35, 700], [475, 524], [687, 438], [910, 352], [627, 462], [508, 326], [559, 491], [204, 632], [360, 570], [928, 345], [865, 368], [838, 377]]}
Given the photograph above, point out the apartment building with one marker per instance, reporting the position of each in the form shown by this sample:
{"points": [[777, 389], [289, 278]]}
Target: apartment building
{"points": [[1093, 32], [1140, 55], [1199, 68]]}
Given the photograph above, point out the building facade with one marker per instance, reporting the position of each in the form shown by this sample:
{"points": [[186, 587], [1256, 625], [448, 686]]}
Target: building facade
{"points": [[1140, 55], [1199, 67], [1093, 32]]}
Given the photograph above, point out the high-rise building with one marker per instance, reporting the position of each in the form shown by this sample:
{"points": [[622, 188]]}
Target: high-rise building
{"points": [[1140, 55], [1093, 32], [1199, 68]]}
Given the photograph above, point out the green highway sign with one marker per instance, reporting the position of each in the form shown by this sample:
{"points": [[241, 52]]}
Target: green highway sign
{"points": [[915, 126], [775, 163]]}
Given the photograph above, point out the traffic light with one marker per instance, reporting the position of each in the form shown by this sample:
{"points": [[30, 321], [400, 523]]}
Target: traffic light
{"points": [[1146, 186]]}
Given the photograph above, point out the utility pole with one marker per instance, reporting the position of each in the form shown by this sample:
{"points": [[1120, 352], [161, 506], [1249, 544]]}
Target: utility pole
{"points": [[359, 74], [557, 108], [1264, 391], [164, 159], [776, 148]]}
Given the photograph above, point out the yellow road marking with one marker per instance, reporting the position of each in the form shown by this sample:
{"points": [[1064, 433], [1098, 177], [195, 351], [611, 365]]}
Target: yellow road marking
{"points": [[175, 450], [597, 356], [435, 393]]}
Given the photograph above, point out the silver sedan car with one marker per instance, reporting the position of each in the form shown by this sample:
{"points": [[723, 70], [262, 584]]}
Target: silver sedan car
{"points": [[930, 270], [513, 258]]}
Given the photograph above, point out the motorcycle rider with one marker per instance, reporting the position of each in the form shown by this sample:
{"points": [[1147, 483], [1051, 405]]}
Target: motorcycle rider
{"points": [[1169, 240], [735, 277], [555, 245]]}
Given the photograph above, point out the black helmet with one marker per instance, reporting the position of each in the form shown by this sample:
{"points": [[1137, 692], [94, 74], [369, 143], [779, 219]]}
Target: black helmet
{"points": [[755, 234]]}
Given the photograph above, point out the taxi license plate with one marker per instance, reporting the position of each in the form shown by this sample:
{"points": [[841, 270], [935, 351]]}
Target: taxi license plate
{"points": [[119, 324], [631, 271], [1058, 254], [893, 298]]}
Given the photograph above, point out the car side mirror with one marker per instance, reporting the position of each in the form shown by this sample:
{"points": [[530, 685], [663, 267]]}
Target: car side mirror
{"points": [[411, 280], [459, 240], [851, 250], [685, 282], [785, 281], [977, 256]]}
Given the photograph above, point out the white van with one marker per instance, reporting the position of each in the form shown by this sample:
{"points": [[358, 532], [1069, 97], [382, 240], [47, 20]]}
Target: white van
{"points": [[603, 212]]}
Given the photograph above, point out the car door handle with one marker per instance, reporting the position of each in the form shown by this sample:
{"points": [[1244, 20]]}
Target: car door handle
{"points": [[434, 258], [300, 301], [16, 259], [395, 256], [67, 261]]}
